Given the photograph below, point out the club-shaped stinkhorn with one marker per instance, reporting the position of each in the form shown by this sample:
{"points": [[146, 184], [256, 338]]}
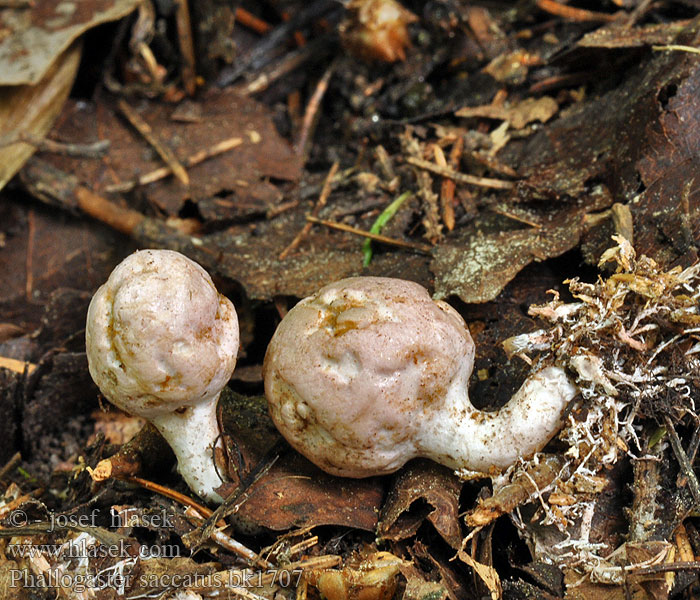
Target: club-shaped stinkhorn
{"points": [[370, 372], [161, 344]]}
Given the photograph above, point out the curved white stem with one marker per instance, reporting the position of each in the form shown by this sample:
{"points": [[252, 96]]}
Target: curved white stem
{"points": [[192, 434], [480, 441]]}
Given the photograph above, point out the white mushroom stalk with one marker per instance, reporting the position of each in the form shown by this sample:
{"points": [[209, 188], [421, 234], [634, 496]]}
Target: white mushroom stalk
{"points": [[370, 372], [161, 344]]}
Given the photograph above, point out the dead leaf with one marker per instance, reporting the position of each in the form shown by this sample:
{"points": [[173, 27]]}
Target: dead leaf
{"points": [[476, 267], [35, 36], [636, 143], [433, 484], [236, 177], [488, 575], [621, 36], [294, 493], [32, 109], [510, 67], [667, 214], [518, 115]]}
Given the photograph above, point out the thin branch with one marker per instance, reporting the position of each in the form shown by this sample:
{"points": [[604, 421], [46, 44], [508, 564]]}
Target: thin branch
{"points": [[42, 144], [147, 132], [573, 14], [682, 458], [487, 182], [190, 161], [322, 199], [184, 36], [308, 124], [373, 236]]}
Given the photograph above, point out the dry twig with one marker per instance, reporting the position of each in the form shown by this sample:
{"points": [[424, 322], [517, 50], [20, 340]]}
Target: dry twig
{"points": [[311, 113], [184, 36], [322, 199], [372, 236], [573, 14], [487, 182], [228, 542], [43, 144], [147, 132], [190, 161], [683, 461]]}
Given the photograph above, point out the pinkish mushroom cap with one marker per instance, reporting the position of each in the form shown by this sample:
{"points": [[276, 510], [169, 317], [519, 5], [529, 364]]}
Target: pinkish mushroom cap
{"points": [[370, 372], [161, 344]]}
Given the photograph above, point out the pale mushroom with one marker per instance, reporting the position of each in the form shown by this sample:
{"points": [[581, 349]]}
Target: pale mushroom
{"points": [[370, 372], [161, 344]]}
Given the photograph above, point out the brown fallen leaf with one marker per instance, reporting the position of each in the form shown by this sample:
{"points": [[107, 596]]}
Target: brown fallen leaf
{"points": [[35, 36], [518, 115], [32, 109], [294, 492], [236, 177], [487, 574], [426, 481], [619, 36], [476, 267]]}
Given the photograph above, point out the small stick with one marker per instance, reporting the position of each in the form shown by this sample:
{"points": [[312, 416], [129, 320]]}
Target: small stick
{"points": [[299, 38], [431, 208], [42, 144], [190, 161], [487, 182], [637, 13], [559, 81], [322, 199], [449, 185], [233, 502], [693, 445], [156, 72], [10, 464], [10, 506], [267, 48], [18, 366], [287, 64], [682, 458], [509, 215], [228, 542], [173, 495], [249, 20], [184, 35], [278, 210], [493, 164], [373, 236], [447, 190], [677, 47], [308, 123], [573, 14], [128, 460], [302, 546], [122, 219], [147, 132]]}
